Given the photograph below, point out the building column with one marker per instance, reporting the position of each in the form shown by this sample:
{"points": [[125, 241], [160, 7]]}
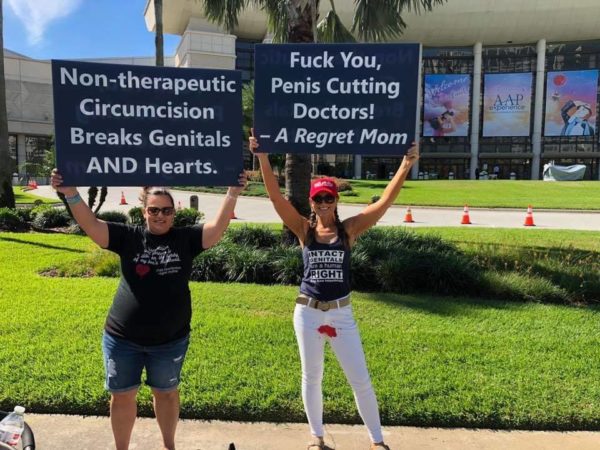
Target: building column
{"points": [[205, 46], [21, 153], [475, 109], [414, 173], [357, 166], [538, 110]]}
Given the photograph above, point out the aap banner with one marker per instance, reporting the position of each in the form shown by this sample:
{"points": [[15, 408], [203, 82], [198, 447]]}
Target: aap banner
{"points": [[446, 105], [336, 98], [571, 103], [507, 104], [119, 125]]}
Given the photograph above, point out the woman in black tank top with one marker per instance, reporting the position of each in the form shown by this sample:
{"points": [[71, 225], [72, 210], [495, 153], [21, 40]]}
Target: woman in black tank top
{"points": [[323, 311]]}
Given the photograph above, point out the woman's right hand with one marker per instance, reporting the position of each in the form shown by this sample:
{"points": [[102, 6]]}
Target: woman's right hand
{"points": [[253, 143], [56, 181]]}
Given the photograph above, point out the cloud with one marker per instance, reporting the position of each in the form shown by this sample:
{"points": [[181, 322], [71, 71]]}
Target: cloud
{"points": [[37, 15]]}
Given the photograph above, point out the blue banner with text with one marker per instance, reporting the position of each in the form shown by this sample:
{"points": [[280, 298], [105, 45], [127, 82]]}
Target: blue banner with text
{"points": [[336, 98], [123, 125]]}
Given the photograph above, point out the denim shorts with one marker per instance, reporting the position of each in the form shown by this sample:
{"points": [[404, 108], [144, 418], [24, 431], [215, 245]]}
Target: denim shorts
{"points": [[124, 361]]}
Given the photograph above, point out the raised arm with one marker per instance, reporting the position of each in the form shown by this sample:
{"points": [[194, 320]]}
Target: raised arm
{"points": [[213, 230], [289, 215], [356, 225], [96, 229]]}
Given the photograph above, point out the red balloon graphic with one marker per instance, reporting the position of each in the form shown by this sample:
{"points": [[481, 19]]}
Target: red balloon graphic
{"points": [[559, 80]]}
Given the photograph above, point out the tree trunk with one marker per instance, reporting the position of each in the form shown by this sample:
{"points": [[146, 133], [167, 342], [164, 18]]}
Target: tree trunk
{"points": [[158, 37], [298, 167], [7, 197]]}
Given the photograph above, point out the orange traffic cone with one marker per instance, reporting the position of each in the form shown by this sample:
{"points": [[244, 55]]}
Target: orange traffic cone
{"points": [[123, 201], [529, 217], [34, 184], [466, 220], [408, 218]]}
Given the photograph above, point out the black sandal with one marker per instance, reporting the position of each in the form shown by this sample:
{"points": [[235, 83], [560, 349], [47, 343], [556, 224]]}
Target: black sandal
{"points": [[317, 443]]}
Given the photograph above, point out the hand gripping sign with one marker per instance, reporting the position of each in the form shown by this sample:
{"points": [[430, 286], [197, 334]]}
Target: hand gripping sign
{"points": [[120, 125], [336, 98]]}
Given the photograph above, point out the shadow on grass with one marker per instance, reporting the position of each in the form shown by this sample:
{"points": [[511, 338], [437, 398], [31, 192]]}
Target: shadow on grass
{"points": [[39, 244], [443, 306]]}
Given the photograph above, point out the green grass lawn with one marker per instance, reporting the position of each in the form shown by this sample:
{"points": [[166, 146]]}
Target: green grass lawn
{"points": [[26, 197], [489, 194], [434, 361]]}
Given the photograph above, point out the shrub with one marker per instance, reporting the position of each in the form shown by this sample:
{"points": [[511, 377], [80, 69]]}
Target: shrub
{"points": [[136, 216], [287, 264], [375, 198], [11, 221], [25, 214], [187, 216], [249, 265], [349, 194], [253, 236], [210, 265], [112, 216], [49, 217]]}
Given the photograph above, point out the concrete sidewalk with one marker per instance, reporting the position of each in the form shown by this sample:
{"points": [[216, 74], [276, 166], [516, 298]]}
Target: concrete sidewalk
{"points": [[256, 209], [57, 432]]}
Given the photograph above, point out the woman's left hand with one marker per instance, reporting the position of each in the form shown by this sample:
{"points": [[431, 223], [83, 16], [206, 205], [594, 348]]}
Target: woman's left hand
{"points": [[236, 190], [412, 155]]}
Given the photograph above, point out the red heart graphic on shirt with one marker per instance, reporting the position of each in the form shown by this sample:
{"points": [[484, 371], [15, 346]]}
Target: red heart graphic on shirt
{"points": [[142, 269], [326, 329]]}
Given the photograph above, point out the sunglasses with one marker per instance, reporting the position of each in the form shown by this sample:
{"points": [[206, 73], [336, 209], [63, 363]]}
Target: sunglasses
{"points": [[329, 199], [154, 210]]}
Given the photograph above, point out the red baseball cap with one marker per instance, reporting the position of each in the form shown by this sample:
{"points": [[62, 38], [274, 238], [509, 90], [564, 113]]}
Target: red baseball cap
{"points": [[324, 184]]}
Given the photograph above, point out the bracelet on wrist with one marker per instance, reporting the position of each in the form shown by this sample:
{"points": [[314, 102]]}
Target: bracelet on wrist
{"points": [[73, 199]]}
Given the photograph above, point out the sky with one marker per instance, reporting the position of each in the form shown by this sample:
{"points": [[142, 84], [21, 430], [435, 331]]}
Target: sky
{"points": [[54, 29]]}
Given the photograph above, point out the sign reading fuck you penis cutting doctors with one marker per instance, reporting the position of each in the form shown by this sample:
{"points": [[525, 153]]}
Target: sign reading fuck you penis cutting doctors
{"points": [[336, 98], [122, 125]]}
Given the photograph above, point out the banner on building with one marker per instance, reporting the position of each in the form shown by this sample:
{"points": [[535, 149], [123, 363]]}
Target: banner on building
{"points": [[507, 104], [119, 125], [571, 103], [446, 101], [336, 98]]}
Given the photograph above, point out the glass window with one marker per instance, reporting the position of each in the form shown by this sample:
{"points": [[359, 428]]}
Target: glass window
{"points": [[35, 151], [13, 151]]}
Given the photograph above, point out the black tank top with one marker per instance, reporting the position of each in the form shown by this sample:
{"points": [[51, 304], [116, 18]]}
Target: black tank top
{"points": [[326, 270]]}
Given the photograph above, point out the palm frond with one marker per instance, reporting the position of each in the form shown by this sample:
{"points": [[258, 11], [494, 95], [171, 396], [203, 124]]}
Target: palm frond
{"points": [[331, 29], [277, 18], [420, 5], [224, 12], [381, 20], [377, 20]]}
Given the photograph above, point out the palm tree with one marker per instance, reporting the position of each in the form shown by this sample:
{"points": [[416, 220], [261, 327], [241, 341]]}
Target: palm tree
{"points": [[158, 37], [7, 197], [296, 21]]}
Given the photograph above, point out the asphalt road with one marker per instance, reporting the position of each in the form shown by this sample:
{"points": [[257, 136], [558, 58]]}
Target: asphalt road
{"points": [[253, 209]]}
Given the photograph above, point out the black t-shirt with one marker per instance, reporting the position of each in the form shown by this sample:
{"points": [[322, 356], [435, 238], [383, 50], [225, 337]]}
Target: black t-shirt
{"points": [[152, 305]]}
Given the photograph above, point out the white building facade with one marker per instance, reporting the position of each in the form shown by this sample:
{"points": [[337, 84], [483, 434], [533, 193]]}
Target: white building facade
{"points": [[472, 37]]}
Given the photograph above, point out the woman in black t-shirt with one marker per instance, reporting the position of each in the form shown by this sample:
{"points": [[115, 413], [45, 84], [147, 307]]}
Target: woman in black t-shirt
{"points": [[148, 323], [323, 310]]}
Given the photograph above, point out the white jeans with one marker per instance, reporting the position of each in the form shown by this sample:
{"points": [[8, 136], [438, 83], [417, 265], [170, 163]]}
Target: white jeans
{"points": [[349, 352]]}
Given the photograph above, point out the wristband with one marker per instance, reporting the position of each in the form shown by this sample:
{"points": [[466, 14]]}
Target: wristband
{"points": [[74, 199]]}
